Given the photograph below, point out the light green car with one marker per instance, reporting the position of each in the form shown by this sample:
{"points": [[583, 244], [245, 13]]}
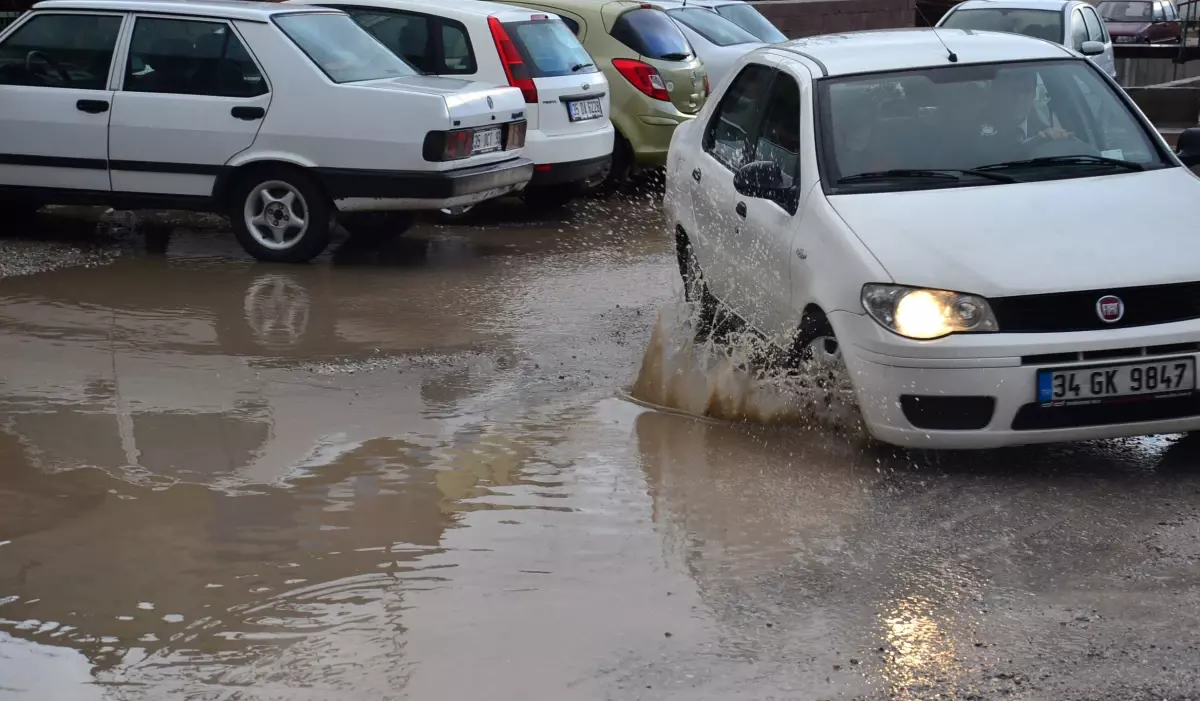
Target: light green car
{"points": [[657, 82]]}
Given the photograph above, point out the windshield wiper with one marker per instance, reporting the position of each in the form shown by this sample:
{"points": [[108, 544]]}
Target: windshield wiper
{"points": [[939, 174], [675, 57], [1078, 160], [580, 66]]}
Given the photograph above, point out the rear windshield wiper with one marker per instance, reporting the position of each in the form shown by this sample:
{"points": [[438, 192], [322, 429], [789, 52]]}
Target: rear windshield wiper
{"points": [[580, 66], [1079, 160], [939, 174], [675, 57]]}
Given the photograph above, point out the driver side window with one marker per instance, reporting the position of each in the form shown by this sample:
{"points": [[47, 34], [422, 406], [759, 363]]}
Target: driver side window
{"points": [[60, 51], [727, 138]]}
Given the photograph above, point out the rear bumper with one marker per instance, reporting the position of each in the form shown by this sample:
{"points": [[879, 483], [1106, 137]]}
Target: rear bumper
{"points": [[344, 183], [650, 135], [569, 172], [566, 148]]}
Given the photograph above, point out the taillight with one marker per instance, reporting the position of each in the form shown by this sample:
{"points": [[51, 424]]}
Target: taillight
{"points": [[514, 66], [516, 136], [448, 145], [644, 77]]}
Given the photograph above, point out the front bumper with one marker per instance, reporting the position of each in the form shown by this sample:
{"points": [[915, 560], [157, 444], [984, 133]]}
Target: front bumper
{"points": [[368, 190], [959, 373]]}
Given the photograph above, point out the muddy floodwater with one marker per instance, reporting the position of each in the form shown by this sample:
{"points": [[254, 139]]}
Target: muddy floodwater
{"points": [[469, 465]]}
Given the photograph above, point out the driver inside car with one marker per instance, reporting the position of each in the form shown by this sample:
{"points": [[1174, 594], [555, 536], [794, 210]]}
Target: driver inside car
{"points": [[1009, 121]]}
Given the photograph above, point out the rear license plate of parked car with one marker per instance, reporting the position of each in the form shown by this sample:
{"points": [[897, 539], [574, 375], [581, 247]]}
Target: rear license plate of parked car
{"points": [[582, 110], [1143, 380], [486, 140]]}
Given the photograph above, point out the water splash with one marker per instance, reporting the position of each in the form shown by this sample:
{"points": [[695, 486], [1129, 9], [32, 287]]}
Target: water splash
{"points": [[736, 375]]}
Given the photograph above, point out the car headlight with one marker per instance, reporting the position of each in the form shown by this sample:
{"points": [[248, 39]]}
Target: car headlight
{"points": [[925, 314]]}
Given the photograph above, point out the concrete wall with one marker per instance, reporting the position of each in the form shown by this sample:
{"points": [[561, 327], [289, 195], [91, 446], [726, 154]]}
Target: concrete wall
{"points": [[800, 18]]}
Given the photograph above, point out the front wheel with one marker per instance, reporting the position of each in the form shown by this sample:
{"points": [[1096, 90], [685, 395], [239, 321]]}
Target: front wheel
{"points": [[280, 215]]}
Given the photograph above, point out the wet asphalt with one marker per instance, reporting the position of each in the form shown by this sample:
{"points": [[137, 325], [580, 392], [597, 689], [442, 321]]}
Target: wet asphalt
{"points": [[415, 472]]}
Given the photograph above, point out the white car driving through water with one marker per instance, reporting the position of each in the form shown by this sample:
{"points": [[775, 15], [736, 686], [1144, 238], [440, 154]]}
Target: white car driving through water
{"points": [[931, 210]]}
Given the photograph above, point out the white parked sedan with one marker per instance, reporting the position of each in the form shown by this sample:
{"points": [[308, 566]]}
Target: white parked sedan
{"points": [[904, 206], [1072, 23], [718, 42], [280, 116]]}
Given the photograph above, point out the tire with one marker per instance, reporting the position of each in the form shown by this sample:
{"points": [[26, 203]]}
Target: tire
{"points": [[264, 205], [377, 227], [695, 290], [622, 162], [550, 197]]}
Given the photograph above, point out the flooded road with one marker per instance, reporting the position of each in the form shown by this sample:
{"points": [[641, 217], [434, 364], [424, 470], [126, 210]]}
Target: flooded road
{"points": [[414, 473]]}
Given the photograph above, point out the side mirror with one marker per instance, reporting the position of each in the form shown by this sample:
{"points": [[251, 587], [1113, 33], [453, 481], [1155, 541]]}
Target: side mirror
{"points": [[762, 179], [1188, 147], [1091, 48]]}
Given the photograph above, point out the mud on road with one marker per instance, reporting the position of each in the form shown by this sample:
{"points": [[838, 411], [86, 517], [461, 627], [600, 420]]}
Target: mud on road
{"points": [[414, 473]]}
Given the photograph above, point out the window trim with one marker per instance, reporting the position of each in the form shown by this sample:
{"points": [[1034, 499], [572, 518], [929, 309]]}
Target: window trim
{"points": [[1077, 13], [752, 134], [118, 45], [793, 206], [118, 81], [1086, 9]]}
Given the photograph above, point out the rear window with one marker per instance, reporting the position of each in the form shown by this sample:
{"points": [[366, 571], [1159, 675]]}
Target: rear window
{"points": [[652, 34], [1042, 24], [712, 26], [343, 50], [750, 19], [549, 48]]}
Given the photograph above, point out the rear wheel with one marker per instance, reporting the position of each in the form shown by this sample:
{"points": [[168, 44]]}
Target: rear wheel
{"points": [[280, 215], [622, 162]]}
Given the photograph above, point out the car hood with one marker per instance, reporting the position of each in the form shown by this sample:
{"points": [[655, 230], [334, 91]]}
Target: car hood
{"points": [[1126, 28], [1032, 238]]}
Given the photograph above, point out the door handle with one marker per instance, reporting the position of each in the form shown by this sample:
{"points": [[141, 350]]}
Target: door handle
{"points": [[696, 175], [248, 113], [92, 106], [740, 209]]}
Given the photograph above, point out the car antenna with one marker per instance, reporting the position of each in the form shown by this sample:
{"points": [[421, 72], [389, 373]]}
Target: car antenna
{"points": [[952, 56]]}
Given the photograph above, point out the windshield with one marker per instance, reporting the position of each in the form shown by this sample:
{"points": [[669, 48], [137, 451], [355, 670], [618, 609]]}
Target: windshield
{"points": [[995, 116], [343, 50], [652, 34], [549, 48], [1126, 11], [713, 27], [748, 18], [1043, 24]]}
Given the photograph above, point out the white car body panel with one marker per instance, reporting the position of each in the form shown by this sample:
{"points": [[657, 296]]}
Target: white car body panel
{"points": [[1003, 241], [718, 60]]}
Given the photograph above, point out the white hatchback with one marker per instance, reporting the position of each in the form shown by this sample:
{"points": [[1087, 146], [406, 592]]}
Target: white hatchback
{"points": [[279, 116], [570, 137], [991, 270]]}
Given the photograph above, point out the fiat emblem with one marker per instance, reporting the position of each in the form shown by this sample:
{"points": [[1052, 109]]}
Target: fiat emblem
{"points": [[1110, 309], [586, 86], [490, 103]]}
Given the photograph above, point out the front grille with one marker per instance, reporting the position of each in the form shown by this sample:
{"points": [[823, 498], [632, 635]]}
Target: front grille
{"points": [[1076, 311], [943, 413], [1033, 417], [1109, 353]]}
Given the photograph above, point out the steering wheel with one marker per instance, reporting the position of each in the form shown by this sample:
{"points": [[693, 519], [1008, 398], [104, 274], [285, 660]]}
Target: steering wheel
{"points": [[49, 62]]}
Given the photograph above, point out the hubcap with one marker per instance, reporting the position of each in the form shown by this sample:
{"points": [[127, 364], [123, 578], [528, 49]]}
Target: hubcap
{"points": [[276, 215]]}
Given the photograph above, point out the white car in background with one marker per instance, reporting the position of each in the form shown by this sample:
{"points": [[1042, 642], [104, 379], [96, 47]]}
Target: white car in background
{"points": [[892, 203], [718, 42], [1072, 23], [282, 117], [746, 16], [569, 138]]}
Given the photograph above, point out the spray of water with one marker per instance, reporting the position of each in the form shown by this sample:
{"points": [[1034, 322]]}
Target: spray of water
{"points": [[736, 375]]}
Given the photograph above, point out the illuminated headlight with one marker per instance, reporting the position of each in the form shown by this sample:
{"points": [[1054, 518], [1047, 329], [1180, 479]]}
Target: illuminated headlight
{"points": [[925, 314]]}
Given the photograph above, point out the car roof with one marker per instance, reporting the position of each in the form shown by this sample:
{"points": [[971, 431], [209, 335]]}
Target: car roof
{"points": [[454, 9], [227, 9], [1017, 4], [877, 51]]}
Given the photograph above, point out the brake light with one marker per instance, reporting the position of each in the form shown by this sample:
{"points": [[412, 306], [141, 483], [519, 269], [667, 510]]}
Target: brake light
{"points": [[644, 77], [448, 145], [516, 136], [539, 18], [514, 66]]}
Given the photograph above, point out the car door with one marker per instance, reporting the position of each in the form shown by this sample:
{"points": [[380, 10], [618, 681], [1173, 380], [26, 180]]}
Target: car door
{"points": [[55, 71], [1096, 32], [766, 226], [191, 97], [725, 146]]}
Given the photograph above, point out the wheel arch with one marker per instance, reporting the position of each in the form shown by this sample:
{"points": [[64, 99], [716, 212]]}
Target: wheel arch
{"points": [[238, 167]]}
